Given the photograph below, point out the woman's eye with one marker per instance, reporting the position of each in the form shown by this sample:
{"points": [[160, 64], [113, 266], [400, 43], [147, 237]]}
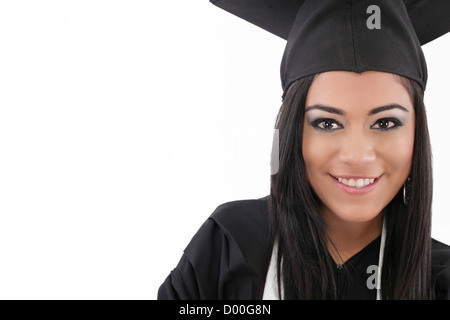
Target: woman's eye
{"points": [[327, 124], [386, 124]]}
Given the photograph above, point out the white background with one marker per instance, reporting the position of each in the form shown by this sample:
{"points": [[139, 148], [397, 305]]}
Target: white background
{"points": [[124, 124]]}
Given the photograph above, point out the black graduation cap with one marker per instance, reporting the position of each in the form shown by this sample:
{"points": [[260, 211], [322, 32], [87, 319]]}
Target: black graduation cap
{"points": [[348, 35]]}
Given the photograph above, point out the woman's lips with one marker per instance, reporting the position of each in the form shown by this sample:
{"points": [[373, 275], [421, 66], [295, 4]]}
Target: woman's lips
{"points": [[356, 185]]}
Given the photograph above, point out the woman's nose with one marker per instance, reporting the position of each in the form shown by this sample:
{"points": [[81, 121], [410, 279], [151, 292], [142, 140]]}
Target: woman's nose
{"points": [[357, 151]]}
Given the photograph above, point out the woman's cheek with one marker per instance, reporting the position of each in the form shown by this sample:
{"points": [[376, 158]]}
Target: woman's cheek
{"points": [[318, 151], [396, 152]]}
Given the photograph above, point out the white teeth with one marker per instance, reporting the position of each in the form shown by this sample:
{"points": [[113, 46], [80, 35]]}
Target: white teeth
{"points": [[356, 183], [359, 183]]}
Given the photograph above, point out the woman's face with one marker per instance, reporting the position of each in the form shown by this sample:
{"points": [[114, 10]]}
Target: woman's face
{"points": [[358, 140]]}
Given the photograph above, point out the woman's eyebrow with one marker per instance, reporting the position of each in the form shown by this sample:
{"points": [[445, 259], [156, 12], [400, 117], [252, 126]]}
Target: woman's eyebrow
{"points": [[387, 107], [326, 109], [343, 113]]}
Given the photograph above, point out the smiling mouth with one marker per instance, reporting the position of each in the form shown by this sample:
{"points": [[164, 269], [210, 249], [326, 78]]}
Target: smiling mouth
{"points": [[357, 184]]}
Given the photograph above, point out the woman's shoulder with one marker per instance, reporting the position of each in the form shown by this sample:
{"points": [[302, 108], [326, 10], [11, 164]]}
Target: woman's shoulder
{"points": [[223, 259], [241, 223], [243, 216], [440, 265], [440, 253]]}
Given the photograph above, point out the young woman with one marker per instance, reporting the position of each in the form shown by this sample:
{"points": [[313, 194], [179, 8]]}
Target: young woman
{"points": [[349, 211], [366, 160]]}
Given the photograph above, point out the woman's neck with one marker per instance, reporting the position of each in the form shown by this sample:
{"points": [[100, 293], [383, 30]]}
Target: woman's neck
{"points": [[346, 238]]}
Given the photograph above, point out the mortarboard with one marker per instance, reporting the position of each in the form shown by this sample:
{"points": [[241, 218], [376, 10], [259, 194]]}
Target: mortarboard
{"points": [[348, 35]]}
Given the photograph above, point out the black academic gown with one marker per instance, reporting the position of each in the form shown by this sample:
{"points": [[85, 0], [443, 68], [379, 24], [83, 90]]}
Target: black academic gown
{"points": [[225, 258]]}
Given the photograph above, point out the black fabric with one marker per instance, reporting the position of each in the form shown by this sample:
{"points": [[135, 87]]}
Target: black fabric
{"points": [[331, 35], [429, 18], [275, 16], [224, 260], [440, 270], [351, 277]]}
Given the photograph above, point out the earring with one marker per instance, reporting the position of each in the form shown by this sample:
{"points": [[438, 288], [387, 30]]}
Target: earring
{"points": [[406, 186]]}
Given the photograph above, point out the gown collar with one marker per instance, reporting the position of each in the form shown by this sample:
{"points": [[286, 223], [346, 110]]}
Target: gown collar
{"points": [[271, 284]]}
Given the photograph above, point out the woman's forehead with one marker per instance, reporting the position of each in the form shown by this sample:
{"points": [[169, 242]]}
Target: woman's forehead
{"points": [[350, 90]]}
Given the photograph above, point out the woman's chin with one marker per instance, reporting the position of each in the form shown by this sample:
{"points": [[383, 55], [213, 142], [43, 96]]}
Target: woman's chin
{"points": [[356, 213]]}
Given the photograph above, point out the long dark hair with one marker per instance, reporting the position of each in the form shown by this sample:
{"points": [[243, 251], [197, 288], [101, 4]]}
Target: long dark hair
{"points": [[305, 268]]}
